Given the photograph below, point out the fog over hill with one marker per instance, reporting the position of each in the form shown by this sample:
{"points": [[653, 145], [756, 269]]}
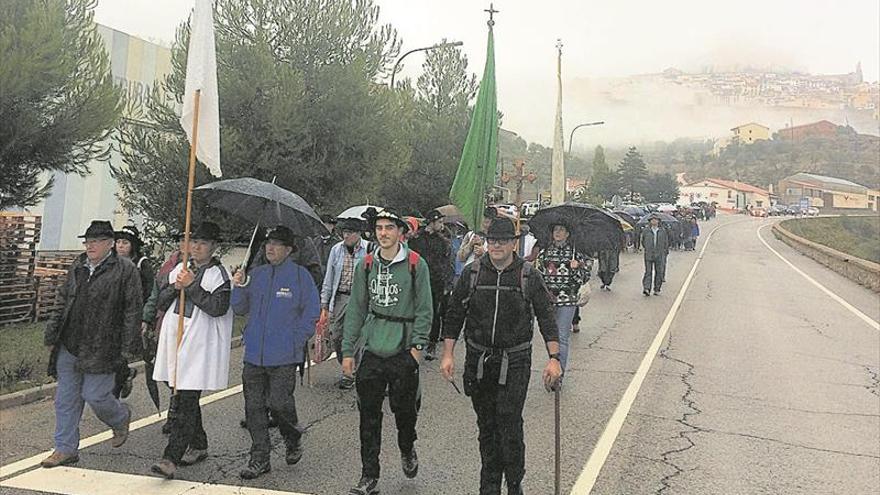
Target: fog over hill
{"points": [[643, 109]]}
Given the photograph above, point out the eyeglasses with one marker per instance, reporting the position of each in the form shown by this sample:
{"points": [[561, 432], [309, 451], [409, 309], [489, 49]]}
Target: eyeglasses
{"points": [[499, 242]]}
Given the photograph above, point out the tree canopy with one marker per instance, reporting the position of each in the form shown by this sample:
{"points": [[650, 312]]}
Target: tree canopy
{"points": [[58, 103]]}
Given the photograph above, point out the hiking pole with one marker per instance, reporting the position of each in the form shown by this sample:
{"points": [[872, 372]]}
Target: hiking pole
{"points": [[558, 444]]}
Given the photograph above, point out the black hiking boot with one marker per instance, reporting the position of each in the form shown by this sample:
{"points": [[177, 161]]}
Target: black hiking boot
{"points": [[294, 452], [254, 470], [366, 486], [410, 463]]}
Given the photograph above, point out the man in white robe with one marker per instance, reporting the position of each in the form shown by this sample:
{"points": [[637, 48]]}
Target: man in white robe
{"points": [[201, 361]]}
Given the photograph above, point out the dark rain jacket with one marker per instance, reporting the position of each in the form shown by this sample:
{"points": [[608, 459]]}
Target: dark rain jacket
{"points": [[500, 318], [436, 249], [109, 304]]}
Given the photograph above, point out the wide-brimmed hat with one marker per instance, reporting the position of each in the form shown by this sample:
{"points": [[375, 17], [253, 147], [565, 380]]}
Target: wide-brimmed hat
{"points": [[501, 228], [351, 225], [372, 216], [131, 234], [434, 215], [283, 235], [207, 231], [99, 229]]}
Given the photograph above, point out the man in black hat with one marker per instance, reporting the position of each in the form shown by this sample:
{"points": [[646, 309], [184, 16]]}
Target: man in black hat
{"points": [[282, 305], [433, 245], [336, 289], [89, 337], [494, 299], [200, 361]]}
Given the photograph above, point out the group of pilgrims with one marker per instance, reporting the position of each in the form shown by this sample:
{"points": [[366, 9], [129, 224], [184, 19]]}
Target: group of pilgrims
{"points": [[391, 291]]}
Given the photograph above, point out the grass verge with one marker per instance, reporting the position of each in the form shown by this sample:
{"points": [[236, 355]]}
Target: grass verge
{"points": [[856, 236], [24, 359]]}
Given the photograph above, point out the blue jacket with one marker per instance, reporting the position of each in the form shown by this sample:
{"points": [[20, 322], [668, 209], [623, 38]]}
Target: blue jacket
{"points": [[283, 306]]}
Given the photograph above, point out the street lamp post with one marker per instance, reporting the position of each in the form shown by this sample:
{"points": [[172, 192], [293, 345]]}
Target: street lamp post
{"points": [[571, 136], [423, 49]]}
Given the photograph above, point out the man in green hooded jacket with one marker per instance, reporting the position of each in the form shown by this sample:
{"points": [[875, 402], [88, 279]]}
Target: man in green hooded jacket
{"points": [[391, 308]]}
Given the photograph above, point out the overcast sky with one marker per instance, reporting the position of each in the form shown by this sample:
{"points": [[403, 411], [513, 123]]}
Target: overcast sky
{"points": [[601, 39]]}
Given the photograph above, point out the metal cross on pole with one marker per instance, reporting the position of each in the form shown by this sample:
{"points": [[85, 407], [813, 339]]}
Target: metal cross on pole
{"points": [[491, 10]]}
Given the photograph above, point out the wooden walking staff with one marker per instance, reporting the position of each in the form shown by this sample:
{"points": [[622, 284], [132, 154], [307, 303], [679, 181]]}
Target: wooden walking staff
{"points": [[558, 441], [181, 305]]}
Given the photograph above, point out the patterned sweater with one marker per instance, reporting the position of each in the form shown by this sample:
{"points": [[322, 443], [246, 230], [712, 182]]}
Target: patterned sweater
{"points": [[563, 282]]}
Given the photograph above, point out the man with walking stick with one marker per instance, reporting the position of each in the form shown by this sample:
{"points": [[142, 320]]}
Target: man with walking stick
{"points": [[495, 299]]}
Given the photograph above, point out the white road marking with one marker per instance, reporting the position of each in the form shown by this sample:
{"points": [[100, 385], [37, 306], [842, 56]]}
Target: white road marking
{"points": [[75, 481], [867, 319], [34, 461], [589, 475]]}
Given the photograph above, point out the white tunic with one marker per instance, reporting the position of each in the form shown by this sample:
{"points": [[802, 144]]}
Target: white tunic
{"points": [[204, 350]]}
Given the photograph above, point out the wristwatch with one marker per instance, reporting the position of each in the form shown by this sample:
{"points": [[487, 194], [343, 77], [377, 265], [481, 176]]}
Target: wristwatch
{"points": [[418, 347], [555, 356]]}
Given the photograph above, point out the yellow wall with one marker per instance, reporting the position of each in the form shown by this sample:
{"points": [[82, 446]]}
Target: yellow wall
{"points": [[749, 133], [849, 200]]}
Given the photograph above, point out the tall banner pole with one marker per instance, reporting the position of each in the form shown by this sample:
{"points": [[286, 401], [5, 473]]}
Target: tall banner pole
{"points": [[181, 305]]}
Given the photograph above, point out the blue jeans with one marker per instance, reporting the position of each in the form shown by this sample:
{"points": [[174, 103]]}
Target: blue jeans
{"points": [[74, 390], [564, 316]]}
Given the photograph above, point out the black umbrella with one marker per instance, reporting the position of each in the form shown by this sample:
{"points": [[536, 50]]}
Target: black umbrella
{"points": [[150, 343], [263, 203], [592, 229], [664, 218], [634, 211], [627, 217]]}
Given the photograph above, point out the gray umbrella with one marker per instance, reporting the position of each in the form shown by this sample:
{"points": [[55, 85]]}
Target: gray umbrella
{"points": [[263, 203]]}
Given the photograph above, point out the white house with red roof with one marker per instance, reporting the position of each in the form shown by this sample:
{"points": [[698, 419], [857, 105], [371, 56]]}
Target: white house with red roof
{"points": [[727, 194]]}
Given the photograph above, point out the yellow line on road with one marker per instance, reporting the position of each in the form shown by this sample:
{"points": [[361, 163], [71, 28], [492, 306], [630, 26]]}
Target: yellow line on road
{"points": [[867, 319], [75, 481], [589, 475]]}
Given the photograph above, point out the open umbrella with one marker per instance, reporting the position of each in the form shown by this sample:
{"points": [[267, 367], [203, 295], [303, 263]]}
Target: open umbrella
{"points": [[624, 223], [451, 213], [356, 212], [634, 211], [632, 221], [263, 203], [664, 218], [592, 229]]}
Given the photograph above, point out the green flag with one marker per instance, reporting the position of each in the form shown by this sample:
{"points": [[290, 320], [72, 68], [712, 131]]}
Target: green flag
{"points": [[476, 171]]}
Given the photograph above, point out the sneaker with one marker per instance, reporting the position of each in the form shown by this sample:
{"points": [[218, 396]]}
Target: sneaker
{"points": [[366, 486], [294, 452], [120, 433], [254, 470], [646, 292], [59, 459], [410, 463], [193, 456], [602, 287], [345, 383], [656, 292], [164, 468], [575, 328]]}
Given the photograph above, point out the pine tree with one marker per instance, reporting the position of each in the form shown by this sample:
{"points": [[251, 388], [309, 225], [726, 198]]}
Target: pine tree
{"points": [[58, 103], [633, 173]]}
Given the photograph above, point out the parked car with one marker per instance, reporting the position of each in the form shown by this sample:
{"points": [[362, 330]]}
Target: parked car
{"points": [[794, 210], [812, 211], [759, 212], [777, 210]]}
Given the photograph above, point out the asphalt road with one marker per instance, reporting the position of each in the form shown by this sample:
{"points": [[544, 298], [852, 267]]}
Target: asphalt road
{"points": [[762, 384]]}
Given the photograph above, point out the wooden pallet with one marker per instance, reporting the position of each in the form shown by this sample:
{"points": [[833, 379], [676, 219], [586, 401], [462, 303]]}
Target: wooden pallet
{"points": [[19, 235]]}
